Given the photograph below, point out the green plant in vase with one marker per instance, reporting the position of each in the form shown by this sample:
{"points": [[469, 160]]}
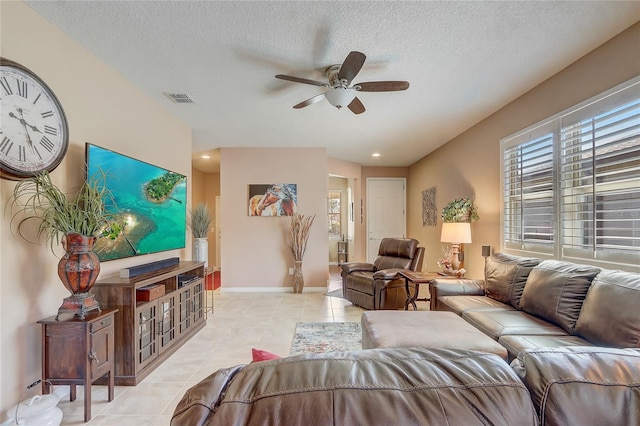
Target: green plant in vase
{"points": [[74, 220], [460, 210]]}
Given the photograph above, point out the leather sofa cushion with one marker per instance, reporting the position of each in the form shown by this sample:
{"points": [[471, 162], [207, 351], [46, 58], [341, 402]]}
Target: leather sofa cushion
{"points": [[381, 386], [506, 276], [502, 323], [555, 291], [517, 344], [583, 385], [460, 304], [610, 314]]}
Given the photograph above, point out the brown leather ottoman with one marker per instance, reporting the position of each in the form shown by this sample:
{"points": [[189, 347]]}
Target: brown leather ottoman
{"points": [[424, 329]]}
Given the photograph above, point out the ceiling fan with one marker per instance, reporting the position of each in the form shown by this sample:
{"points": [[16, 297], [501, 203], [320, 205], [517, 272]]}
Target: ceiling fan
{"points": [[340, 92]]}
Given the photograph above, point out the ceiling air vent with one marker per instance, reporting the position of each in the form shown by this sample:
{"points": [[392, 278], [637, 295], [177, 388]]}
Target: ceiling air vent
{"points": [[179, 98]]}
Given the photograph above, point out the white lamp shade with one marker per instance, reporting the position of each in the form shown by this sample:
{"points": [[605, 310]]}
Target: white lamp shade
{"points": [[340, 97], [458, 232]]}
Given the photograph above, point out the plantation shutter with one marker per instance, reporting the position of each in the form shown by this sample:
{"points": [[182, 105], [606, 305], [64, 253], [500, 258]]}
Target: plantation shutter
{"points": [[572, 183], [528, 176], [600, 181]]}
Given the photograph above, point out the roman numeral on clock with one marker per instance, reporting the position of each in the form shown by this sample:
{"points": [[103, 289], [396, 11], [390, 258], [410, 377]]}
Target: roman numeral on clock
{"points": [[50, 130], [47, 114], [6, 145], [5, 86], [22, 153], [46, 144], [22, 89]]}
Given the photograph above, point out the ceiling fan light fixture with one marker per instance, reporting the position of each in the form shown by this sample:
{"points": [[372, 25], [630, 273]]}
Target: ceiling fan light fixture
{"points": [[340, 97]]}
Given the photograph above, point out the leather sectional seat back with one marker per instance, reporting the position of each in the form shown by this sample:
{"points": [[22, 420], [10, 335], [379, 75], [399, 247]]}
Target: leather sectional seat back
{"points": [[506, 276], [556, 290], [610, 314], [397, 386]]}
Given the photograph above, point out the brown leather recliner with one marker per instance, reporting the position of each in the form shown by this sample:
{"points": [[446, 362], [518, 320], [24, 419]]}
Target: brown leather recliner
{"points": [[377, 285]]}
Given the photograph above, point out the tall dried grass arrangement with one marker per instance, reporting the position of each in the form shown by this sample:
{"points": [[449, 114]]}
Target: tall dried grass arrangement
{"points": [[199, 220], [299, 227]]}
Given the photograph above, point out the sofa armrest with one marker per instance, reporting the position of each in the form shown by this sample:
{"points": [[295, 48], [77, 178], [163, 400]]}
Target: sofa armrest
{"points": [[200, 401], [350, 267], [589, 385], [454, 287]]}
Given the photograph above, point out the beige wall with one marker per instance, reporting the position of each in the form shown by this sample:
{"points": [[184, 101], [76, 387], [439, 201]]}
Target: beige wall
{"points": [[103, 108], [255, 252], [469, 164]]}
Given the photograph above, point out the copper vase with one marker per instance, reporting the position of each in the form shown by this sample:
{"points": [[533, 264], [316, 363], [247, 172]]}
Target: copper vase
{"points": [[79, 267], [78, 270]]}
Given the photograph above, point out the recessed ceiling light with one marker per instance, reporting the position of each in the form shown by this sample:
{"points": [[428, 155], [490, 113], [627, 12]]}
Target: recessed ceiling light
{"points": [[375, 154], [206, 157]]}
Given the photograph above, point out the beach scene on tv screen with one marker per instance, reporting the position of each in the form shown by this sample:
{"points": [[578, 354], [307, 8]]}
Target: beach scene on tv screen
{"points": [[150, 205]]}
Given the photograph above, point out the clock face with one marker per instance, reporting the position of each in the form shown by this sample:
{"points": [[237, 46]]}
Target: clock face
{"points": [[33, 128]]}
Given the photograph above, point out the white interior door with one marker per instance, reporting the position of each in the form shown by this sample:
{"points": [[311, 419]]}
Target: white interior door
{"points": [[386, 212], [218, 232]]}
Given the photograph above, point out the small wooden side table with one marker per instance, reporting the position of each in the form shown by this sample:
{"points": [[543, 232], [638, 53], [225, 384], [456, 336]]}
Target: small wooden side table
{"points": [[78, 352], [417, 278]]}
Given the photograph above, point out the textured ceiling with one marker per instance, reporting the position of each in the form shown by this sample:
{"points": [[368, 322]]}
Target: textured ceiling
{"points": [[464, 60]]}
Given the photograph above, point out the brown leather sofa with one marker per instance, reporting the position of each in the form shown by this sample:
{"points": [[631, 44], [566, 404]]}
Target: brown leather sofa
{"points": [[368, 387], [377, 285], [410, 386], [525, 303]]}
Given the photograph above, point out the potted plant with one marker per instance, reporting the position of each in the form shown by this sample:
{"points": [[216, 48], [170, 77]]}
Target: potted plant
{"points": [[75, 220], [460, 210], [299, 227], [199, 220]]}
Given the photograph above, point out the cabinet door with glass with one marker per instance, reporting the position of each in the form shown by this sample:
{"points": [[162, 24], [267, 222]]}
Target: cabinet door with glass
{"points": [[147, 316], [197, 302], [185, 320], [167, 324]]}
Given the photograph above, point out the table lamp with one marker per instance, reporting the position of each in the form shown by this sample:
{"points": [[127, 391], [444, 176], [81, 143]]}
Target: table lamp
{"points": [[455, 233]]}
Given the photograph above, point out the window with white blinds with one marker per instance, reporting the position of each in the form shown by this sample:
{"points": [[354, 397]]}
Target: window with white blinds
{"points": [[572, 184]]}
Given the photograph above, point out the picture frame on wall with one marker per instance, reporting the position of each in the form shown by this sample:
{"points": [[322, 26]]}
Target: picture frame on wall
{"points": [[275, 199]]}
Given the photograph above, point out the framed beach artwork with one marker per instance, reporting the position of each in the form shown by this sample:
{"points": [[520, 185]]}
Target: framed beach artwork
{"points": [[276, 199]]}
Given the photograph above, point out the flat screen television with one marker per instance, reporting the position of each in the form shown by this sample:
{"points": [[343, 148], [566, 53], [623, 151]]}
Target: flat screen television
{"points": [[150, 205]]}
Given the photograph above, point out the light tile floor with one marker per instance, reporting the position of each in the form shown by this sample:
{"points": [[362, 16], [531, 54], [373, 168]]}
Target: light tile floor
{"points": [[239, 322]]}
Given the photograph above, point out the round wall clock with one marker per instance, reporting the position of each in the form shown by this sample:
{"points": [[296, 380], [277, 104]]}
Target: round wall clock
{"points": [[34, 134]]}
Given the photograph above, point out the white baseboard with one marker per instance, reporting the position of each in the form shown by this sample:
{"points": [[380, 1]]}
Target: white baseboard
{"points": [[270, 290]]}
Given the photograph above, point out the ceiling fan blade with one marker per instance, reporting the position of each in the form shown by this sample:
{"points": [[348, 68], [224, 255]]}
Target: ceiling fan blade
{"points": [[351, 66], [301, 80], [356, 106], [382, 86], [313, 100]]}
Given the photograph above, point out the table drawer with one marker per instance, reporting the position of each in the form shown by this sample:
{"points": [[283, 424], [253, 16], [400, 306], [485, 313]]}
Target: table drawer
{"points": [[101, 323]]}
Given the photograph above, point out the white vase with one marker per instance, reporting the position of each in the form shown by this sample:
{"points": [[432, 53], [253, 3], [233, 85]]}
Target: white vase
{"points": [[201, 250]]}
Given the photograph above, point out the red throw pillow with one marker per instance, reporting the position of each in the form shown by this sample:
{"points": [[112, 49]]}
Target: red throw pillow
{"points": [[260, 355]]}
